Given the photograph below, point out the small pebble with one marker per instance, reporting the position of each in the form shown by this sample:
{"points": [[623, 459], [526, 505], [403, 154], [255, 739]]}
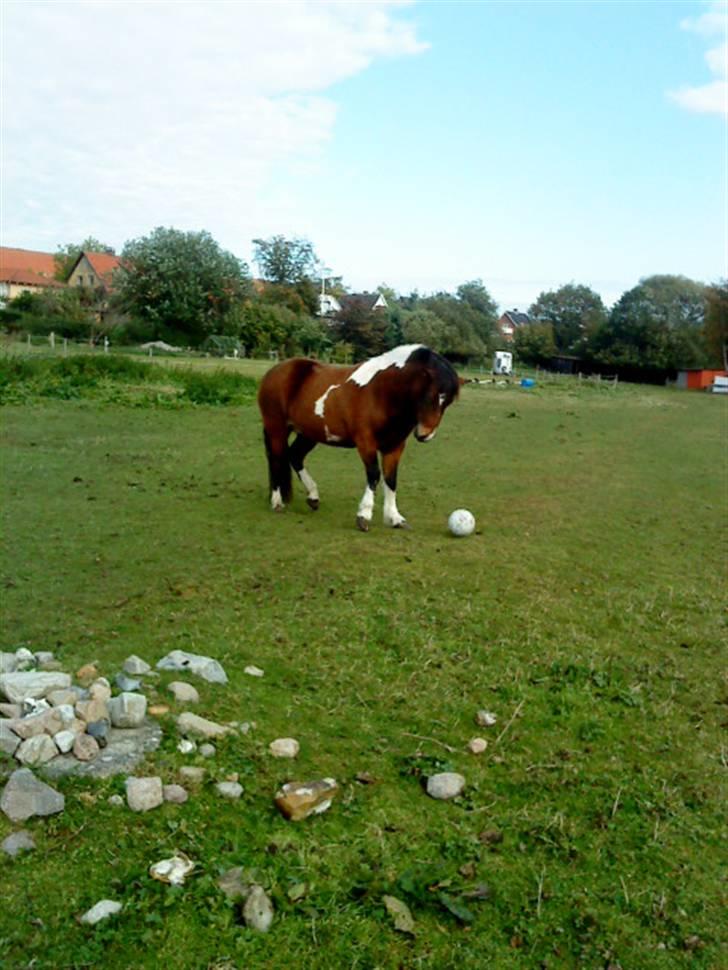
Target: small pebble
{"points": [[192, 774], [135, 665], [116, 800], [183, 692], [477, 745], [186, 747], [445, 785], [175, 794], [229, 789], [208, 750], [102, 909], [284, 748], [127, 684], [253, 671], [85, 748], [18, 842], [485, 719]]}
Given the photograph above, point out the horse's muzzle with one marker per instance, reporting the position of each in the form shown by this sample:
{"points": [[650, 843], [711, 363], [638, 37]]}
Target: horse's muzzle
{"points": [[426, 436]]}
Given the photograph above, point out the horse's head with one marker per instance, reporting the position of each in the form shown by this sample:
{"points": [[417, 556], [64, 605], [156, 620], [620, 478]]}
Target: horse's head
{"points": [[440, 387]]}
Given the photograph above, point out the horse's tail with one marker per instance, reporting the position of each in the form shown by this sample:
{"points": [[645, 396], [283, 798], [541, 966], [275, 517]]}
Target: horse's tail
{"points": [[279, 465]]}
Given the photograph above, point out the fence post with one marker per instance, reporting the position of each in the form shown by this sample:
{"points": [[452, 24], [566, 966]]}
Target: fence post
{"points": [[52, 340], [28, 335], [65, 346]]}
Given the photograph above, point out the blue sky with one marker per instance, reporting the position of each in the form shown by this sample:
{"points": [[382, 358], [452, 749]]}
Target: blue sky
{"points": [[418, 144]]}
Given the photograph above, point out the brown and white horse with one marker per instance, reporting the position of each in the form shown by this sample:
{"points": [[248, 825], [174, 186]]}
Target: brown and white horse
{"points": [[372, 407]]}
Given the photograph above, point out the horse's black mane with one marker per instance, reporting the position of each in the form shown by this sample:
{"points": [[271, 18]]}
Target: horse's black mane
{"points": [[447, 379]]}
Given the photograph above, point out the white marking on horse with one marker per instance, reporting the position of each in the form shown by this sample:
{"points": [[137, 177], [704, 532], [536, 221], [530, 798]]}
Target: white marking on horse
{"points": [[366, 506], [392, 515], [393, 358], [319, 406], [329, 436], [441, 399], [309, 484], [276, 502]]}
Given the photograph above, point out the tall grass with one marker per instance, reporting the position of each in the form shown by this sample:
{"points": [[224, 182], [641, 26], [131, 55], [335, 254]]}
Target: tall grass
{"points": [[118, 379]]}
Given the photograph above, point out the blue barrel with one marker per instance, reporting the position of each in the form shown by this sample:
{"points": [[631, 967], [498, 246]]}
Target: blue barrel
{"points": [[527, 382]]}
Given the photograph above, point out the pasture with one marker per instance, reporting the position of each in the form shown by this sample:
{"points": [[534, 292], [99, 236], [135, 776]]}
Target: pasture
{"points": [[586, 612]]}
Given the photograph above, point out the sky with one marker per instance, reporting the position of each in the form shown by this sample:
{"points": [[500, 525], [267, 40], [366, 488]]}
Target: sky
{"points": [[527, 144]]}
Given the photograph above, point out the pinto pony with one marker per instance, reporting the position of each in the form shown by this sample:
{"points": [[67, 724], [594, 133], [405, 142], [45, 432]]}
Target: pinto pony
{"points": [[372, 407]]}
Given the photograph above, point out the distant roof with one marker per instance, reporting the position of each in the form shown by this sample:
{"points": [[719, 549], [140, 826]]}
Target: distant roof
{"points": [[103, 264], [27, 266], [516, 318], [367, 298]]}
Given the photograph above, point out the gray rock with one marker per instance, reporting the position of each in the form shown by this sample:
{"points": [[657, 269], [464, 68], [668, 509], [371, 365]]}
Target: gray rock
{"points": [[47, 722], [188, 723], [25, 796], [143, 794], [284, 748], [446, 784], [258, 910], [135, 665], [125, 749], [17, 686], [235, 884], [175, 794], [185, 693], [128, 710], [99, 730], [192, 774], [36, 751], [64, 741], [186, 747], [102, 910], [9, 740], [229, 789], [196, 664], [100, 690], [24, 659], [127, 684], [8, 662], [116, 800], [11, 711], [208, 750], [44, 657], [18, 842], [85, 748], [94, 709], [59, 697]]}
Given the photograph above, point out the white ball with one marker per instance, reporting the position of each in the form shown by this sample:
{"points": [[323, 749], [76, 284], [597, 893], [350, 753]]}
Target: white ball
{"points": [[461, 523]]}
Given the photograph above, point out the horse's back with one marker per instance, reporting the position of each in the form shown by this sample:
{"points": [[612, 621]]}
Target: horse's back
{"points": [[292, 381]]}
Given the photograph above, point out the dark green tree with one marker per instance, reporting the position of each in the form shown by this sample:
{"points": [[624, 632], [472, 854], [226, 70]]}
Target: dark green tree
{"points": [[361, 327], [575, 313], [66, 256], [181, 283], [285, 261], [716, 323], [658, 324], [534, 343]]}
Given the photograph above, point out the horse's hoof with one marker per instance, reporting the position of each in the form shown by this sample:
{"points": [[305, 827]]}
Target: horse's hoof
{"points": [[313, 503], [279, 508], [362, 524], [404, 524]]}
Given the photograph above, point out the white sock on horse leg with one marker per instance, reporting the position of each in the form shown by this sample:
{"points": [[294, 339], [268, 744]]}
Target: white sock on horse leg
{"points": [[366, 506], [309, 484], [392, 515], [276, 502]]}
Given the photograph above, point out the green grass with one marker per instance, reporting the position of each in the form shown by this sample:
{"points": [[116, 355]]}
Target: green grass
{"points": [[588, 605]]}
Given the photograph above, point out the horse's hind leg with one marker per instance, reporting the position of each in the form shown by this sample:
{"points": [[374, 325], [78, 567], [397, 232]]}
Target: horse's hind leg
{"points": [[366, 507], [296, 453], [279, 470]]}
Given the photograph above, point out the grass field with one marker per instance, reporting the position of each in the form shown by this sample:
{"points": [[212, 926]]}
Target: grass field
{"points": [[586, 613]]}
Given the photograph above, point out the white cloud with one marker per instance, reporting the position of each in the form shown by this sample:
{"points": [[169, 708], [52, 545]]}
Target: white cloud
{"points": [[710, 98], [120, 116]]}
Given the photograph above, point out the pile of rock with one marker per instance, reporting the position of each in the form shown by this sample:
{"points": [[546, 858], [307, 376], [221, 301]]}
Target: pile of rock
{"points": [[44, 715]]}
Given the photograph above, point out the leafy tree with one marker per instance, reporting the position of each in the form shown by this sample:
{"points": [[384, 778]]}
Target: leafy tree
{"points": [[574, 312], [655, 325], [467, 330], [66, 256], [365, 329], [181, 283], [60, 311], [422, 326], [475, 295], [534, 344], [284, 261], [716, 323]]}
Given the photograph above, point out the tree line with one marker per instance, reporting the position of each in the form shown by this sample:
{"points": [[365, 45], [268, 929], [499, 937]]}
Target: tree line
{"points": [[183, 288]]}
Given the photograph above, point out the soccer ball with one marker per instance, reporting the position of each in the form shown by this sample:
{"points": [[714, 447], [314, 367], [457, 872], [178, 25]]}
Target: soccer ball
{"points": [[461, 523]]}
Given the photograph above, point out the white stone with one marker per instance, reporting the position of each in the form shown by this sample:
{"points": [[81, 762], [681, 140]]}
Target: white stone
{"points": [[17, 686], [135, 665], [64, 741], [446, 784], [258, 910], [127, 710], [477, 745], [143, 794], [284, 748], [485, 719], [196, 664], [253, 671], [103, 909], [186, 747], [185, 693], [230, 789], [37, 750], [188, 723]]}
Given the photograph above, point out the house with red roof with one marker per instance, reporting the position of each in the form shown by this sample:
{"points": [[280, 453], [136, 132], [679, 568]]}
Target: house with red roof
{"points": [[94, 270], [25, 271]]}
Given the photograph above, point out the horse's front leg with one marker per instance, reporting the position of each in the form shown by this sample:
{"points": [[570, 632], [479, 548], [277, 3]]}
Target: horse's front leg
{"points": [[390, 463], [368, 454]]}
